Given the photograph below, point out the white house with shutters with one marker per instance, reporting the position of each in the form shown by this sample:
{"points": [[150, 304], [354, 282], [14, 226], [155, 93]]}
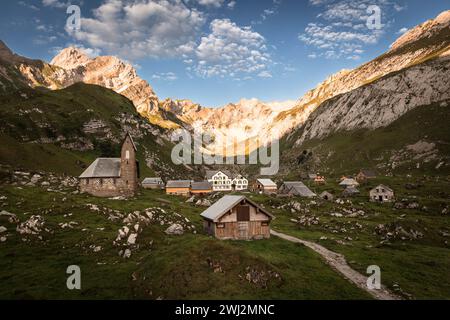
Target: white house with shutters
{"points": [[239, 183], [224, 181]]}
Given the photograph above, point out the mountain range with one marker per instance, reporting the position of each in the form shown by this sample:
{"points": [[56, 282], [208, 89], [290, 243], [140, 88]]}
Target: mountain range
{"points": [[414, 72]]}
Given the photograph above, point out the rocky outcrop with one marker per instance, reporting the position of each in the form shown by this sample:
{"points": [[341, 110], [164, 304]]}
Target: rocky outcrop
{"points": [[109, 72], [382, 102]]}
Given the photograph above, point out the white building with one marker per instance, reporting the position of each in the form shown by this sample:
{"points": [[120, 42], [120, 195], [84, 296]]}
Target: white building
{"points": [[239, 183], [224, 181]]}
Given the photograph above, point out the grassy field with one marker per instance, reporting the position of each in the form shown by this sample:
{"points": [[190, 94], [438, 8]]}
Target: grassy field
{"points": [[413, 267], [195, 266], [163, 267]]}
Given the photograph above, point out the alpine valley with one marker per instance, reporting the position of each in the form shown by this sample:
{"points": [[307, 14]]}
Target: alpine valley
{"points": [[390, 115]]}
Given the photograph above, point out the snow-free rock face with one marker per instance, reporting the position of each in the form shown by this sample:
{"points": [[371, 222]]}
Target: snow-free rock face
{"points": [[248, 119], [382, 102], [108, 72]]}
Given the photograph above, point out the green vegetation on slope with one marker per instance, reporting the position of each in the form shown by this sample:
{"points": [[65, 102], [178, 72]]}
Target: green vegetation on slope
{"points": [[45, 130]]}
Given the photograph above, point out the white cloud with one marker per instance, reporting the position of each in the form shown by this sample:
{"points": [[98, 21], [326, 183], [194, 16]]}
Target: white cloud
{"points": [[231, 4], [142, 28], [55, 3], [230, 49], [402, 31], [342, 31], [165, 76], [265, 74], [211, 3]]}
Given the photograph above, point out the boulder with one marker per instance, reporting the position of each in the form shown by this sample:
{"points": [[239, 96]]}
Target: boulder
{"points": [[132, 239], [175, 229], [3, 229]]}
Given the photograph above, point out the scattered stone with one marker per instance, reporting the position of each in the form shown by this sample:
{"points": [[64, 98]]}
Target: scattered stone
{"points": [[132, 239], [175, 229], [3, 229]]}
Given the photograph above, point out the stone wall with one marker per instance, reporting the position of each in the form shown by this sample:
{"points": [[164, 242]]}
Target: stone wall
{"points": [[106, 187]]}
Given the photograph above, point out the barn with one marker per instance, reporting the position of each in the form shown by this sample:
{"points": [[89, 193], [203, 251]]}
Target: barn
{"points": [[153, 183], [237, 218], [266, 186], [179, 187], [201, 188]]}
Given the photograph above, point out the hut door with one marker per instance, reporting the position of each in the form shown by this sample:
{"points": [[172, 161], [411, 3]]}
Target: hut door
{"points": [[243, 218]]}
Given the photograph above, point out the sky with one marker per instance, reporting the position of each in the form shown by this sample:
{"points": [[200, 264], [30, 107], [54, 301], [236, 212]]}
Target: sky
{"points": [[214, 52]]}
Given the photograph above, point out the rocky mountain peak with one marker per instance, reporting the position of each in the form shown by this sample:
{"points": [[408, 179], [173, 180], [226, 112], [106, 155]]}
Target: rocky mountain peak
{"points": [[71, 58], [5, 52], [426, 30]]}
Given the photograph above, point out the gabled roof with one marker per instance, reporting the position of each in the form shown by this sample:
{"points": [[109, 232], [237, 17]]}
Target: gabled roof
{"points": [[179, 184], [267, 183], [350, 190], [368, 173], [132, 141], [212, 173], [349, 182], [225, 204], [326, 193], [152, 181], [298, 188], [103, 168], [203, 185], [382, 186]]}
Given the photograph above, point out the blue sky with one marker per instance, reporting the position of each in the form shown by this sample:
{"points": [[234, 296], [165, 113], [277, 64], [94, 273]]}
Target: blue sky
{"points": [[218, 51]]}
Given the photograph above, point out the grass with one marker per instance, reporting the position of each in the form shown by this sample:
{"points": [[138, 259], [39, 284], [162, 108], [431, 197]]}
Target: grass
{"points": [[415, 268], [165, 267]]}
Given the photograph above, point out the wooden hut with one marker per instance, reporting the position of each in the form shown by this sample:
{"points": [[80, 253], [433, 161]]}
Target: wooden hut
{"points": [[201, 188], [381, 193], [296, 188], [153, 183], [327, 196], [179, 187], [237, 218], [365, 175], [266, 186]]}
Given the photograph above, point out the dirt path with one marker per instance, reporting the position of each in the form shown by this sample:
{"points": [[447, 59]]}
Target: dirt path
{"points": [[338, 262]]}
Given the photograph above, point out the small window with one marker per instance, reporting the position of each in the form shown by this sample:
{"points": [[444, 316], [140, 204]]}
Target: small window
{"points": [[220, 226], [264, 224], [127, 155]]}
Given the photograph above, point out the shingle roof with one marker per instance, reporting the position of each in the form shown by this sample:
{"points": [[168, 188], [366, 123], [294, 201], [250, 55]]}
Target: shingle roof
{"points": [[211, 173], [299, 188], [267, 183], [351, 190], [349, 182], [178, 184], [132, 141], [368, 173], [225, 204], [103, 168], [203, 185], [152, 181], [382, 186]]}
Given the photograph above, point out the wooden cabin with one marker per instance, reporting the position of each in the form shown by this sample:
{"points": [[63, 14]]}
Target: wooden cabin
{"points": [[365, 175], [237, 218], [319, 180], [348, 182], [201, 188], [266, 186], [153, 183], [296, 188], [381, 193], [179, 187], [327, 196], [350, 192]]}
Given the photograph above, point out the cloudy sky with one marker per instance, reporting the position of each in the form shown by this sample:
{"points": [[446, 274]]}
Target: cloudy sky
{"points": [[219, 51]]}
